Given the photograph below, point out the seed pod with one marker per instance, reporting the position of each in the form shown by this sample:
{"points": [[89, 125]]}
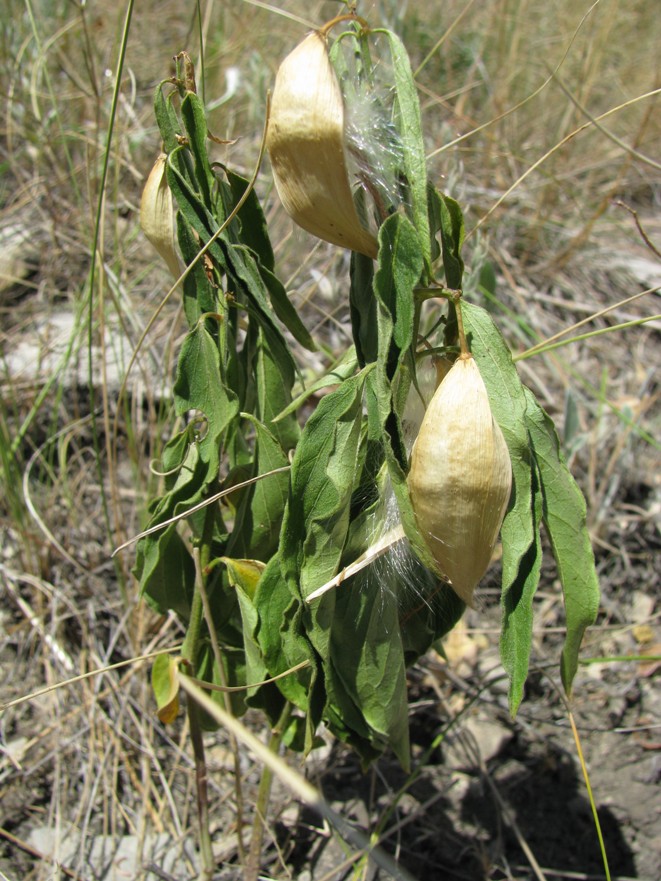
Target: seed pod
{"points": [[157, 215], [306, 143], [460, 477]]}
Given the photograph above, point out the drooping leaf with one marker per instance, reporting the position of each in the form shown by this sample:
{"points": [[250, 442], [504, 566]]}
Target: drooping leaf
{"points": [[284, 309], [166, 118], [199, 386], [363, 308], [165, 685], [366, 661], [167, 572], [199, 294], [244, 576], [508, 405], [517, 624], [520, 529], [284, 645], [254, 232], [259, 515], [564, 516], [322, 480], [400, 264], [191, 463], [274, 379], [409, 125], [191, 202], [449, 216], [193, 116]]}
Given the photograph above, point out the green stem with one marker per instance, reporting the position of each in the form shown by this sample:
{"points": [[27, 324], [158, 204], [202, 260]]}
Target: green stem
{"points": [[463, 345], [263, 796], [192, 639]]}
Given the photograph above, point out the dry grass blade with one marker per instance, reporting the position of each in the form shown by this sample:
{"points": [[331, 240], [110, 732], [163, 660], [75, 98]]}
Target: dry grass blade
{"points": [[542, 159], [83, 676], [533, 350], [210, 501]]}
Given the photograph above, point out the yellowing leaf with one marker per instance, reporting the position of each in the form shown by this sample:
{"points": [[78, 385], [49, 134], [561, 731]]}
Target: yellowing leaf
{"points": [[165, 683]]}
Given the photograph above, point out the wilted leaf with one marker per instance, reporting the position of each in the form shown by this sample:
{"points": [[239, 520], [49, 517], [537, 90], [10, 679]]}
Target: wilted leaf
{"points": [[165, 684], [564, 516]]}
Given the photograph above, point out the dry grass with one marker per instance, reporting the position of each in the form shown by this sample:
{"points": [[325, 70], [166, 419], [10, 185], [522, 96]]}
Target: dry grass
{"points": [[508, 88]]}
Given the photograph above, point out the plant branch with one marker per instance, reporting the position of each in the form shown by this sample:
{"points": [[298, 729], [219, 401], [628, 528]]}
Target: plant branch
{"points": [[263, 796]]}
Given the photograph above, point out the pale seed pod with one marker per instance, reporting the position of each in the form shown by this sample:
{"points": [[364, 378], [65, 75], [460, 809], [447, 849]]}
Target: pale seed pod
{"points": [[157, 215], [306, 142], [460, 478]]}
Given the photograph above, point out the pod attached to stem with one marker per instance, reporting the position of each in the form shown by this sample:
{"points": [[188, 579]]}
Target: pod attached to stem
{"points": [[460, 477], [306, 143]]}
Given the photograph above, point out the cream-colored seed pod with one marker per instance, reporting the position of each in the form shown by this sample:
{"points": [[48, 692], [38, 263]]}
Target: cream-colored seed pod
{"points": [[460, 478], [306, 142], [157, 215]]}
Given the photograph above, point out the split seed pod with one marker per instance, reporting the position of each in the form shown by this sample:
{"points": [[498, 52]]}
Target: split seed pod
{"points": [[306, 143], [460, 478], [157, 215]]}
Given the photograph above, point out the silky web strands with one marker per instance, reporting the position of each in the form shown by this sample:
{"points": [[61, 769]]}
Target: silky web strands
{"points": [[373, 145]]}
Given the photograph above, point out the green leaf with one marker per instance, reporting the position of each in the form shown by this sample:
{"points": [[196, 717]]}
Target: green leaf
{"points": [[245, 279], [167, 572], [199, 386], [520, 529], [409, 124], [254, 232], [366, 661], [191, 202], [322, 480], [192, 461], [564, 515], [195, 122], [508, 405], [400, 266], [363, 308], [165, 684], [448, 215], [283, 644], [166, 118], [274, 379], [199, 294], [517, 606], [259, 516], [244, 576], [245, 274], [284, 309]]}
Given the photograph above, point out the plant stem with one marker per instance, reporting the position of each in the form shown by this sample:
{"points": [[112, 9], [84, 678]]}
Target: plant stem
{"points": [[206, 851], [202, 558], [192, 638], [189, 651], [263, 795], [463, 345]]}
